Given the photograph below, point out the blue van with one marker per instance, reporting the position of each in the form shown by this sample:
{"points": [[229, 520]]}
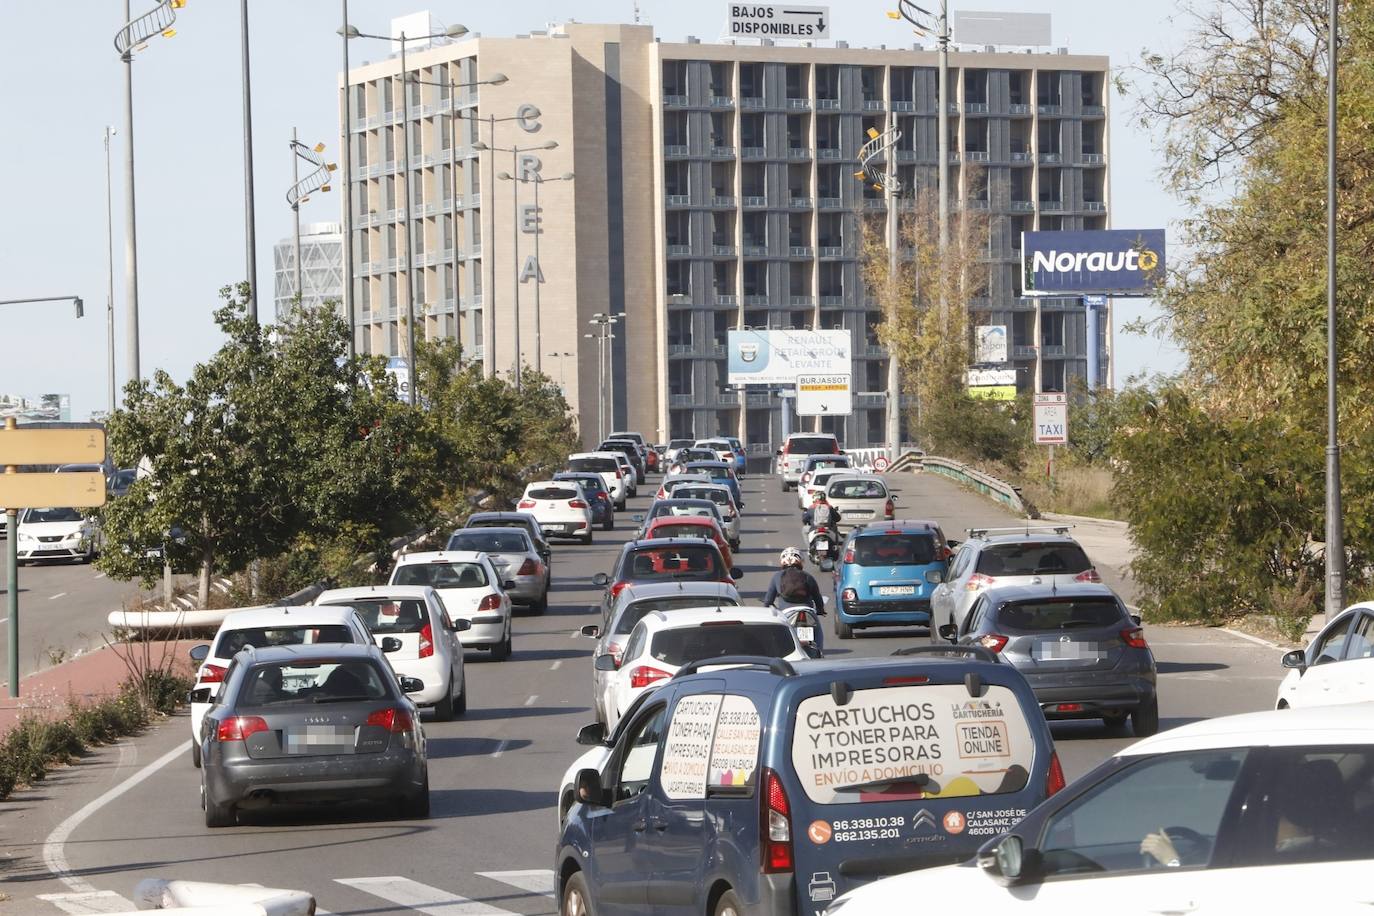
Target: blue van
{"points": [[772, 788], [886, 575]]}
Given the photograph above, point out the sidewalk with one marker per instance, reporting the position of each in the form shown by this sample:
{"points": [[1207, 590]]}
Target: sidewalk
{"points": [[84, 678]]}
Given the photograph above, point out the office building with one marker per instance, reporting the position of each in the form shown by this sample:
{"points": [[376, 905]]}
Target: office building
{"points": [[321, 267]]}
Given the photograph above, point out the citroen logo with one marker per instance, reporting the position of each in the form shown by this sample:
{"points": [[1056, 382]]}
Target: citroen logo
{"points": [[923, 821]]}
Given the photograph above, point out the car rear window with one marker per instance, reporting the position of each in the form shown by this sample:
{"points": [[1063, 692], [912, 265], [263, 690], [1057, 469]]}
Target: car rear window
{"points": [[386, 616], [590, 484], [312, 682], [894, 550], [1030, 559], [231, 641], [593, 464], [719, 497], [1062, 614], [636, 612], [496, 521], [489, 542], [680, 443], [911, 742], [857, 489], [689, 644], [677, 508], [811, 445], [681, 561], [834, 461], [441, 575], [551, 493], [681, 531]]}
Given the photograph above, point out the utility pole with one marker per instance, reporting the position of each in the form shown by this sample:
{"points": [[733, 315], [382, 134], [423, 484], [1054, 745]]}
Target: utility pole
{"points": [[1335, 535], [130, 235], [347, 144], [109, 277], [250, 222]]}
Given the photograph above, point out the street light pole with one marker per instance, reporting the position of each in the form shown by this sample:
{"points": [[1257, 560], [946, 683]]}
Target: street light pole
{"points": [[515, 254], [250, 221], [347, 148], [1335, 535], [130, 235], [296, 213], [409, 266], [109, 276]]}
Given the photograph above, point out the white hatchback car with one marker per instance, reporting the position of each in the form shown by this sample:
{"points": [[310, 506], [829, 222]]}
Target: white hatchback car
{"points": [[471, 590], [57, 534], [429, 648], [560, 509], [609, 466], [260, 627], [1269, 812], [663, 642], [1336, 667]]}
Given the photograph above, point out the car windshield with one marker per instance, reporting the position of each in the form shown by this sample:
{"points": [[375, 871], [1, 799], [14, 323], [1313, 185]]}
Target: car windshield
{"points": [[441, 575], [39, 516], [894, 550], [637, 611], [490, 541], [312, 682], [680, 561], [857, 489], [386, 616], [680, 530], [231, 641], [554, 493], [811, 445], [689, 644], [594, 464], [124, 479], [1031, 559], [1060, 614]]}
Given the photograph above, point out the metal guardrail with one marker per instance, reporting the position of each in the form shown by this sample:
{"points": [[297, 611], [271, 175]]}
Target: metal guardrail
{"points": [[991, 487]]}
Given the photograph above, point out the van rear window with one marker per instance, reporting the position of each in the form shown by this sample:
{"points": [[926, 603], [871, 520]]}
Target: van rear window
{"points": [[1063, 614], [911, 742], [593, 464], [894, 550], [553, 493], [811, 445], [1051, 559]]}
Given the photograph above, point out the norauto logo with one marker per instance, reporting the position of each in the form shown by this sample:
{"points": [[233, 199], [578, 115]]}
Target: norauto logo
{"points": [[1094, 261]]}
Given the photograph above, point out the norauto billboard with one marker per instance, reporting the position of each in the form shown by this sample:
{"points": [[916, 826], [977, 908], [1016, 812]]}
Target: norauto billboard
{"points": [[1113, 262]]}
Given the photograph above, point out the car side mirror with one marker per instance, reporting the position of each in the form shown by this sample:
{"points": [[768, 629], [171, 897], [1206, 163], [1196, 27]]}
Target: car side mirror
{"points": [[601, 580], [1295, 659], [935, 576], [948, 632], [200, 695], [1006, 860], [199, 653], [592, 735], [587, 788], [1135, 619], [410, 684], [390, 644], [637, 518], [778, 453], [508, 584], [591, 631], [461, 625], [952, 544], [605, 662]]}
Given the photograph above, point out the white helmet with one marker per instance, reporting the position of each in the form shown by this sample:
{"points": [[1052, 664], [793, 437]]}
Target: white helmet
{"points": [[790, 556]]}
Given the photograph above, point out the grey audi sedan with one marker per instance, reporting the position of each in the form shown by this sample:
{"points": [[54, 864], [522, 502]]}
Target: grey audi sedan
{"points": [[312, 723]]}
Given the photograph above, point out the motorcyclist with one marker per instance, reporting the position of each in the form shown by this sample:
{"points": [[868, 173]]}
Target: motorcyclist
{"points": [[796, 587]]}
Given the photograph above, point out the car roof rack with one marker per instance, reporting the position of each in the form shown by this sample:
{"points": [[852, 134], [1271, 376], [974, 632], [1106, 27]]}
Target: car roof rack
{"points": [[1018, 529], [779, 666], [977, 652]]}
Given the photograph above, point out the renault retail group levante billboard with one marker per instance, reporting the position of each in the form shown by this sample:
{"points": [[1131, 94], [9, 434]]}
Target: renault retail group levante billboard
{"points": [[1113, 262], [777, 357]]}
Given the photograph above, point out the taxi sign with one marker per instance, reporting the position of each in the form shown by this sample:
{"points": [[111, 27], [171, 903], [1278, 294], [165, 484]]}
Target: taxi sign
{"points": [[77, 489], [33, 445]]}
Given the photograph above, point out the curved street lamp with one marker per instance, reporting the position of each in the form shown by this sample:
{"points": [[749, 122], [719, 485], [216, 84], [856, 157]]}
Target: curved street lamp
{"points": [[301, 188]]}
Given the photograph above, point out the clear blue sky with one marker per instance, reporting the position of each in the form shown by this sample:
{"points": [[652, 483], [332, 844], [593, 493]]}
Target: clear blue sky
{"points": [[65, 83]]}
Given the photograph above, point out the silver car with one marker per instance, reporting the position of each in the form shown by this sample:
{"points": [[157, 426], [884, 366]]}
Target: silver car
{"points": [[725, 502], [858, 500], [516, 560]]}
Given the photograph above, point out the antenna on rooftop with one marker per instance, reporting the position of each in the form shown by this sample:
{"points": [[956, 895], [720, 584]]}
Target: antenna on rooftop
{"points": [[636, 6]]}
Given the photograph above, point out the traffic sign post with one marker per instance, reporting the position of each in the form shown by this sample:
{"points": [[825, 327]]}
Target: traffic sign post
{"points": [[824, 396], [1051, 423], [38, 491]]}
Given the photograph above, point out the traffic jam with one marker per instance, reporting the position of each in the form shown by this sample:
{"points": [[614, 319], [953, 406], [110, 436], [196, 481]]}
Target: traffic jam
{"points": [[739, 758]]}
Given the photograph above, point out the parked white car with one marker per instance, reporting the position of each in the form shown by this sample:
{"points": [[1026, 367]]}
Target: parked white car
{"points": [[57, 534], [471, 590], [560, 507], [1336, 667], [663, 642], [1269, 812], [608, 465], [260, 627], [429, 648]]}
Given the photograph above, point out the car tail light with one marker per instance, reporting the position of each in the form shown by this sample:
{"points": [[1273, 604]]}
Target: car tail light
{"points": [[426, 641], [527, 568], [775, 825], [849, 595], [1088, 575], [1069, 707], [490, 603], [577, 504], [849, 555], [394, 719], [618, 587], [1135, 638], [239, 728], [978, 581], [527, 504], [602, 494], [616, 650], [644, 675], [619, 473], [211, 674], [993, 642], [806, 478], [889, 509], [1054, 781]]}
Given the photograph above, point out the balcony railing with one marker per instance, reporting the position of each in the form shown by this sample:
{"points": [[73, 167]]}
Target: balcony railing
{"points": [[674, 101], [1095, 206], [1094, 111], [722, 101], [800, 251], [1094, 158], [797, 300], [874, 105], [1049, 109], [722, 152], [976, 155], [722, 200], [1020, 156], [723, 251], [1022, 206], [833, 251], [677, 200], [831, 203], [681, 400], [1022, 351], [799, 203], [674, 151], [755, 251], [875, 203], [726, 299], [798, 152], [976, 107], [679, 250], [1051, 206], [750, 201], [975, 203], [751, 152], [1051, 157], [749, 101], [903, 105], [827, 104], [1018, 108], [756, 299], [1053, 351], [831, 301], [799, 104], [824, 153]]}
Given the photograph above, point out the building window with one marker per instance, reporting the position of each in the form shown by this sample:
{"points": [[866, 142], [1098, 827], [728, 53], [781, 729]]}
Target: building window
{"points": [[1052, 329], [1052, 375], [679, 328], [680, 376]]}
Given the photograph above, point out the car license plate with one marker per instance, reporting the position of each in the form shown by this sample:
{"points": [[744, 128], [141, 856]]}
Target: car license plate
{"points": [[316, 739], [822, 543], [859, 513], [553, 529], [894, 590], [806, 634], [1055, 650]]}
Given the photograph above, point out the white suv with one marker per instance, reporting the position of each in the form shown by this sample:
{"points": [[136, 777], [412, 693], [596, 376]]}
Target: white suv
{"points": [[608, 465], [1336, 667], [471, 590]]}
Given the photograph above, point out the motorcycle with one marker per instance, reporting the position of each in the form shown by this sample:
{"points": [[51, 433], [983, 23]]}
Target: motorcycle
{"points": [[803, 619], [822, 546]]}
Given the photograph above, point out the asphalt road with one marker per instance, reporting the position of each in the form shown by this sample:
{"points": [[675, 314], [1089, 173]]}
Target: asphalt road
{"points": [[80, 842]]}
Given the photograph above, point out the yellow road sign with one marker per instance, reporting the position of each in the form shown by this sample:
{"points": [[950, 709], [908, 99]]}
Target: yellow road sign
{"points": [[78, 489], [51, 446]]}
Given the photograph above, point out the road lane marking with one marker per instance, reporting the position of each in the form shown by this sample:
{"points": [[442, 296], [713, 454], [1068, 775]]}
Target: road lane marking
{"points": [[534, 880], [1254, 639], [554, 667], [58, 595], [54, 852], [89, 902], [421, 897], [501, 748], [530, 701]]}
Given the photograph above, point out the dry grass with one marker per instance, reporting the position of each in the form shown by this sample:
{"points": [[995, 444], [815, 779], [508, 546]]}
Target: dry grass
{"points": [[1074, 490]]}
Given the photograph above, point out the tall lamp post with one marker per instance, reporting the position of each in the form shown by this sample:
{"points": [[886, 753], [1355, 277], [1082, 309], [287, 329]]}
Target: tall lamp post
{"points": [[300, 190], [454, 31], [560, 357], [602, 324], [1335, 535], [131, 38], [109, 275], [537, 180]]}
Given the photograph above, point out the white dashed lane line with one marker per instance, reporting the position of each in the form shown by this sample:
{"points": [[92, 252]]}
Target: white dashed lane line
{"points": [[58, 595]]}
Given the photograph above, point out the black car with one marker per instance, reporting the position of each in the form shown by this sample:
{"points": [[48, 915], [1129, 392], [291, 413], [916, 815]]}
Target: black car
{"points": [[594, 490], [1083, 653], [513, 520], [631, 450]]}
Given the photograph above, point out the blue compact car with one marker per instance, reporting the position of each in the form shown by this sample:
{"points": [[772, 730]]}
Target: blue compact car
{"points": [[887, 574], [741, 459]]}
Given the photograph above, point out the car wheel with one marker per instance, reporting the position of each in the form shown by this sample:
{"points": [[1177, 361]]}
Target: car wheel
{"points": [[782, 485], [443, 710], [501, 651], [586, 538], [1145, 718], [416, 805], [460, 705], [728, 905], [577, 901], [1116, 724], [608, 523], [542, 604], [620, 506], [217, 814], [842, 629], [195, 754]]}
